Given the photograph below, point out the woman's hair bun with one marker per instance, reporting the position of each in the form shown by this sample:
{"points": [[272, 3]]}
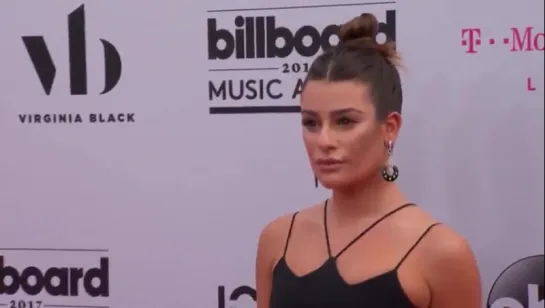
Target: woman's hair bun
{"points": [[363, 27], [361, 33]]}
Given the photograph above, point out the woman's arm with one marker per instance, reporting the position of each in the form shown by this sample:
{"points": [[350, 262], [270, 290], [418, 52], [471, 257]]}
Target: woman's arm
{"points": [[269, 248], [452, 272]]}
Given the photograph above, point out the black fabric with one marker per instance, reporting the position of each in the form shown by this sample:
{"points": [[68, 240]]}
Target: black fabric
{"points": [[325, 288]]}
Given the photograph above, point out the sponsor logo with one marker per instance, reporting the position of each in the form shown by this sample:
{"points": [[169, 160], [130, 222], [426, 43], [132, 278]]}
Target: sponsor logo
{"points": [[52, 284], [520, 285], [525, 39], [259, 57], [45, 66], [246, 292], [46, 70]]}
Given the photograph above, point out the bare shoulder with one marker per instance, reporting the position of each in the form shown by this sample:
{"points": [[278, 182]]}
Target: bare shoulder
{"points": [[275, 233], [441, 242], [444, 246], [443, 251], [450, 268], [276, 230], [270, 246]]}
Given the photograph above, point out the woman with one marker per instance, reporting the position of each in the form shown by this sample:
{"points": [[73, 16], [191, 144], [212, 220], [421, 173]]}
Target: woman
{"points": [[367, 246]]}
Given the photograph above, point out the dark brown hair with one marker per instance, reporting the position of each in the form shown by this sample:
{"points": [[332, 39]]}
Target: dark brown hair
{"points": [[359, 57]]}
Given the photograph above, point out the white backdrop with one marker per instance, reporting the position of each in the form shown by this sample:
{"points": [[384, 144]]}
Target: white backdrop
{"points": [[175, 199]]}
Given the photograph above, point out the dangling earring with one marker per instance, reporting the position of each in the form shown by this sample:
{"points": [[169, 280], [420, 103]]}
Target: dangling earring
{"points": [[316, 181], [390, 172]]}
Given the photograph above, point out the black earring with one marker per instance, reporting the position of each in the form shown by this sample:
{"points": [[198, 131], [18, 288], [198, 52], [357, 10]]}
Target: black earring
{"points": [[390, 172], [316, 182]]}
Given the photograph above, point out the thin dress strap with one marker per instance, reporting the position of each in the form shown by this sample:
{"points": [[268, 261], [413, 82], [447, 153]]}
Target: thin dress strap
{"points": [[289, 233], [364, 231], [416, 244], [326, 231]]}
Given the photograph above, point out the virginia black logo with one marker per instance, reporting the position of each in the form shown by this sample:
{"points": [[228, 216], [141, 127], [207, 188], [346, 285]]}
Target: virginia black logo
{"points": [[520, 285], [55, 281], [235, 295], [44, 65], [256, 37]]}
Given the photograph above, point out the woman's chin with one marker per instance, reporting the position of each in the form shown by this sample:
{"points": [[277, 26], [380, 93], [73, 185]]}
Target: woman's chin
{"points": [[334, 181]]}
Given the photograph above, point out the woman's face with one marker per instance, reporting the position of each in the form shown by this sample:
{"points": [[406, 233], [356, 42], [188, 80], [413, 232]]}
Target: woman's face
{"points": [[344, 142]]}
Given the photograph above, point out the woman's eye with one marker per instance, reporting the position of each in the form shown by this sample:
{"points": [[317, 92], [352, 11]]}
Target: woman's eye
{"points": [[309, 123], [345, 121]]}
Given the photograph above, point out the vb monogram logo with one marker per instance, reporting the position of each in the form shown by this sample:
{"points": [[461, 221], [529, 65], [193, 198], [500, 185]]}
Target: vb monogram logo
{"points": [[46, 70]]}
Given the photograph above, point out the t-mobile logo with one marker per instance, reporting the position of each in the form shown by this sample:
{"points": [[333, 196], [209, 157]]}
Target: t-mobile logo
{"points": [[46, 69], [471, 38], [519, 39], [520, 285]]}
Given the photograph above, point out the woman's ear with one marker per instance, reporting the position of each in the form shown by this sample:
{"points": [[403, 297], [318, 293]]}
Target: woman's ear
{"points": [[391, 126]]}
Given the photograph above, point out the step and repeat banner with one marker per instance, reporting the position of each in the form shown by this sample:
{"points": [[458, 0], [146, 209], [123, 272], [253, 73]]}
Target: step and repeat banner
{"points": [[144, 144]]}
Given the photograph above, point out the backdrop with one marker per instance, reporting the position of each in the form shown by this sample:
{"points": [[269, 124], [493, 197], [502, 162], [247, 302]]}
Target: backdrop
{"points": [[145, 144]]}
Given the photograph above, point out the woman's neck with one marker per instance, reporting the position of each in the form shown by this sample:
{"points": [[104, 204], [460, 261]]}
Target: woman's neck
{"points": [[373, 198]]}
